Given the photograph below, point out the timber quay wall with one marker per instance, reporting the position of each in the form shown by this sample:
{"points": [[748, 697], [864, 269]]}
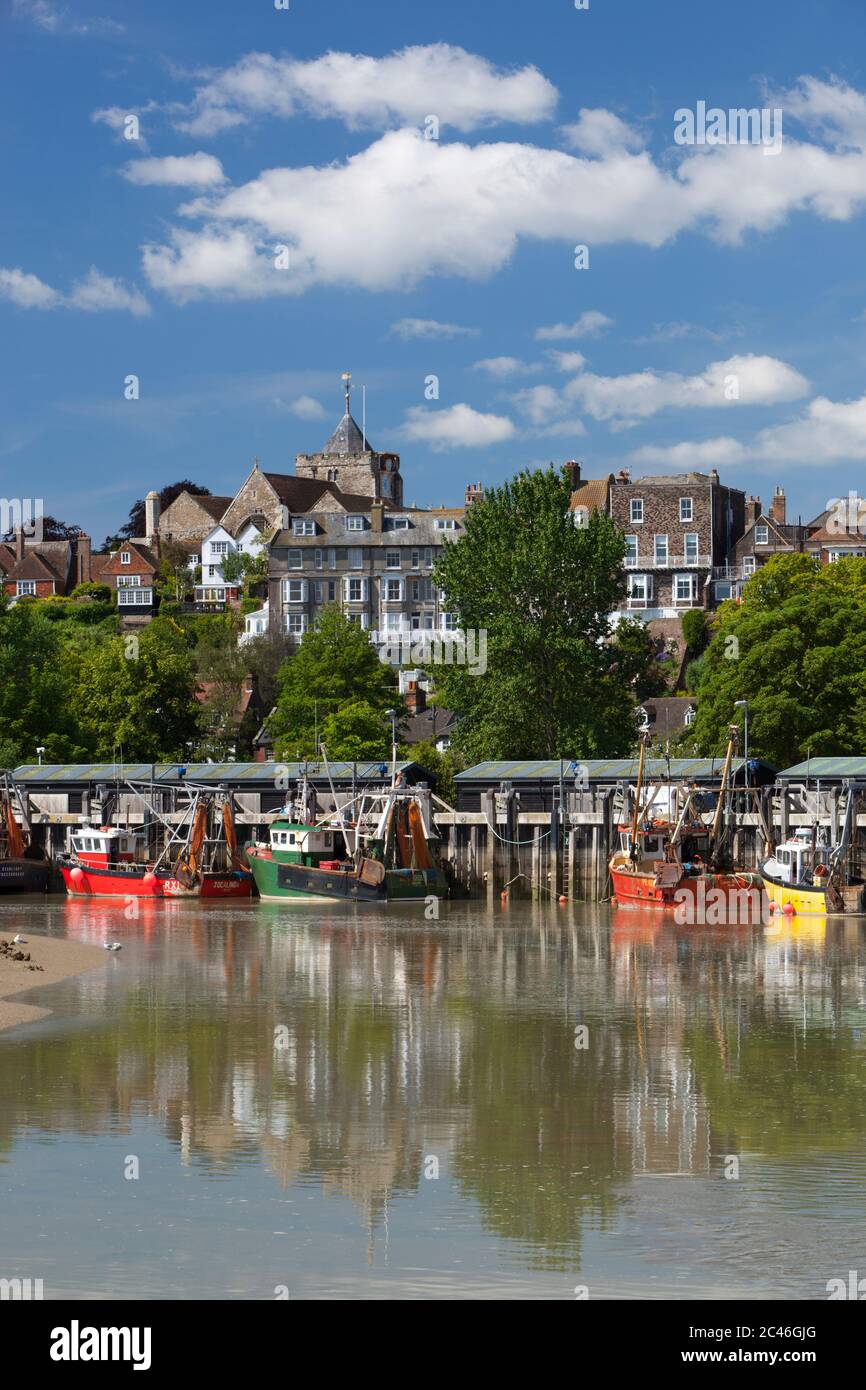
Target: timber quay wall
{"points": [[530, 838]]}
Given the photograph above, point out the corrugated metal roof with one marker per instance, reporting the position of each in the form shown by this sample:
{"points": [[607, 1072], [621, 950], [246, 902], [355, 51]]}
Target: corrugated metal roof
{"points": [[203, 772], [597, 769], [825, 767]]}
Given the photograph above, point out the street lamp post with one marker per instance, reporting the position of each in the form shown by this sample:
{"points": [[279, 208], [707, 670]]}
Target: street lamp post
{"points": [[744, 706], [392, 715]]}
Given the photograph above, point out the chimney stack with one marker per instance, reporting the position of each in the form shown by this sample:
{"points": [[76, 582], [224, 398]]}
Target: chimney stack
{"points": [[753, 510], [573, 468], [151, 516], [19, 544], [84, 568], [415, 697], [714, 475], [376, 509], [474, 493], [777, 506]]}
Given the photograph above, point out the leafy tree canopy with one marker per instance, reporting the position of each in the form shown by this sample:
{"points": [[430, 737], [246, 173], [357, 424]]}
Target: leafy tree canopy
{"points": [[541, 588], [795, 648], [335, 665]]}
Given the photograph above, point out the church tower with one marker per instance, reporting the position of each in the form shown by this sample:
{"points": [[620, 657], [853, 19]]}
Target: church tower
{"points": [[349, 461]]}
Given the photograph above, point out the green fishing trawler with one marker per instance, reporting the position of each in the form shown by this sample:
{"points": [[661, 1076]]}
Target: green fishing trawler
{"points": [[384, 852]]}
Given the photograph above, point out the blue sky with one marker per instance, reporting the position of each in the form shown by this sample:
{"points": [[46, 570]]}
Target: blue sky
{"points": [[411, 257]]}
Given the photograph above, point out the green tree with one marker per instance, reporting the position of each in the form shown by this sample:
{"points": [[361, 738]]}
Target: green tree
{"points": [[356, 731], [444, 766], [795, 648], [335, 665], [541, 589], [35, 680], [635, 657], [137, 692]]}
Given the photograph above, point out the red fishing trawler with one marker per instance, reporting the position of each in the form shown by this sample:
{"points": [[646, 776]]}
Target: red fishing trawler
{"points": [[113, 862], [669, 856]]}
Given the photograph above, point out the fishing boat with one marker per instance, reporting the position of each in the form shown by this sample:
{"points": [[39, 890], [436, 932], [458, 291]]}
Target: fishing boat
{"points": [[805, 874], [669, 855], [23, 866], [119, 862], [380, 850]]}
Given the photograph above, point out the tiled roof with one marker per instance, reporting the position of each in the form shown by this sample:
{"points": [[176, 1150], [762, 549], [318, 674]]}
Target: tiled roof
{"points": [[347, 439], [593, 493], [36, 566]]}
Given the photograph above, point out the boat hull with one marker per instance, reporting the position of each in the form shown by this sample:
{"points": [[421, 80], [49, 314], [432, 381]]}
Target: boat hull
{"points": [[804, 902], [277, 880], [720, 897], [22, 875], [86, 882]]}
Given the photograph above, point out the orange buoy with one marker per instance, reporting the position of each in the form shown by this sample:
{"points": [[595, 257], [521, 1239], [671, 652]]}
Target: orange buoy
{"points": [[789, 910], [563, 900]]}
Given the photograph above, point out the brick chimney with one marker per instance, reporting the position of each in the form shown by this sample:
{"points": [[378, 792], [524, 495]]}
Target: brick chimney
{"points": [[474, 493], [624, 475], [574, 473], [777, 506], [415, 697], [753, 510], [84, 568], [376, 509]]}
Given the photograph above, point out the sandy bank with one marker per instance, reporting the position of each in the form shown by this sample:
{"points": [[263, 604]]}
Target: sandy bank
{"points": [[59, 960]]}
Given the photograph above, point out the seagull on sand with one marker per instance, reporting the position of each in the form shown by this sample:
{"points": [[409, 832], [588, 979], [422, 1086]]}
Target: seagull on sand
{"points": [[19, 940]]}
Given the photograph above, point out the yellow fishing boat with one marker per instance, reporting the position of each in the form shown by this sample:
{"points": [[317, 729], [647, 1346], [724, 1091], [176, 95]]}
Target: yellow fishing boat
{"points": [[801, 876]]}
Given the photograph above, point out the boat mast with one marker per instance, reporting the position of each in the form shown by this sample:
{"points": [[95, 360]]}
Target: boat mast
{"points": [[644, 738]]}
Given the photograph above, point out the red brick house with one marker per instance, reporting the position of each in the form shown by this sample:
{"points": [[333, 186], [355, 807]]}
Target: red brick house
{"points": [[129, 572]]}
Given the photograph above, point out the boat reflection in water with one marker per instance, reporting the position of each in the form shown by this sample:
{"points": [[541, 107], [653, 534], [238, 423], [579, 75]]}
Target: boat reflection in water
{"points": [[355, 1101]]}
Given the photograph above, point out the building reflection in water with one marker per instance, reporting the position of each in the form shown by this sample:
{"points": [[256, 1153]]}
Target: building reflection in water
{"points": [[351, 1048]]}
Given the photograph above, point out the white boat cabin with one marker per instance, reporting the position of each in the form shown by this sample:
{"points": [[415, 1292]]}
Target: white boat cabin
{"points": [[795, 862], [302, 839], [108, 845]]}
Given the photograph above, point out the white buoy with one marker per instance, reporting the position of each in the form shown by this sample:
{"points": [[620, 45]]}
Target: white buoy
{"points": [[112, 945]]}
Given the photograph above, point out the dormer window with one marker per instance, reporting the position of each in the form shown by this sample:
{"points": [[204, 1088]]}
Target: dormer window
{"points": [[125, 557], [303, 528], [762, 535], [355, 523], [445, 523]]}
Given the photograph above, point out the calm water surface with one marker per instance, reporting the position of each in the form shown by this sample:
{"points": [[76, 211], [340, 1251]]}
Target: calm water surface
{"points": [[357, 1103]]}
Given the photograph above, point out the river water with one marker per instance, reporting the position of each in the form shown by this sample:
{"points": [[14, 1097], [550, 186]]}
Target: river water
{"points": [[527, 1101]]}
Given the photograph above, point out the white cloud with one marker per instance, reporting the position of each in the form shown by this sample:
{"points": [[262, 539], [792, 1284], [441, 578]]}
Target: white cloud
{"points": [[53, 19], [638, 395], [197, 170], [94, 293], [430, 328], [827, 432], [307, 408], [566, 361], [457, 427], [587, 325], [600, 132], [405, 209], [26, 290], [500, 368], [706, 453], [461, 89]]}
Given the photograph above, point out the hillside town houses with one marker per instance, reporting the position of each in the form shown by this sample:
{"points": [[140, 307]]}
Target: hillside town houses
{"points": [[336, 531]]}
